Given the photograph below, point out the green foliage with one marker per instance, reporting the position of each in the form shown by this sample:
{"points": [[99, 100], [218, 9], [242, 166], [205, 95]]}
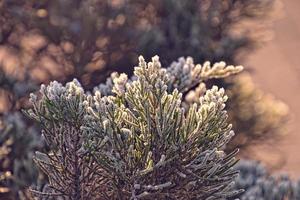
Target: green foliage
{"points": [[140, 142]]}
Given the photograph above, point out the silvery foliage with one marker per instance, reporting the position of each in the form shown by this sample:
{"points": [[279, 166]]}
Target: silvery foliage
{"points": [[259, 185], [71, 171], [183, 75], [146, 133], [139, 143]]}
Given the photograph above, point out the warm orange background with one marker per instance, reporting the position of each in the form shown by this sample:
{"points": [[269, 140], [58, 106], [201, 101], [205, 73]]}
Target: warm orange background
{"points": [[276, 69]]}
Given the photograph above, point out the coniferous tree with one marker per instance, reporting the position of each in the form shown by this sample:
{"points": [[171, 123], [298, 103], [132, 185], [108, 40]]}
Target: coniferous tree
{"points": [[139, 142]]}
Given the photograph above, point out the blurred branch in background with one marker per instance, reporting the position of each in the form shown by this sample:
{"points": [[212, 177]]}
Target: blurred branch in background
{"points": [[256, 116], [18, 142], [94, 35], [44, 40], [259, 184], [207, 30], [54, 44]]}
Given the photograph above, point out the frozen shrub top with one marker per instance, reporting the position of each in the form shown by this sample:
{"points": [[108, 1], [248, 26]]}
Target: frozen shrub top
{"points": [[133, 139]]}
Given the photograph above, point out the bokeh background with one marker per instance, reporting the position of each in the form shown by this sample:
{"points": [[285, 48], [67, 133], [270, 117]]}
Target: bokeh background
{"points": [[46, 40], [276, 70]]}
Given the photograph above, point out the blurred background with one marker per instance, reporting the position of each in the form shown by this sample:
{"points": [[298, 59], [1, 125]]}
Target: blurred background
{"points": [[276, 70], [45, 40]]}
